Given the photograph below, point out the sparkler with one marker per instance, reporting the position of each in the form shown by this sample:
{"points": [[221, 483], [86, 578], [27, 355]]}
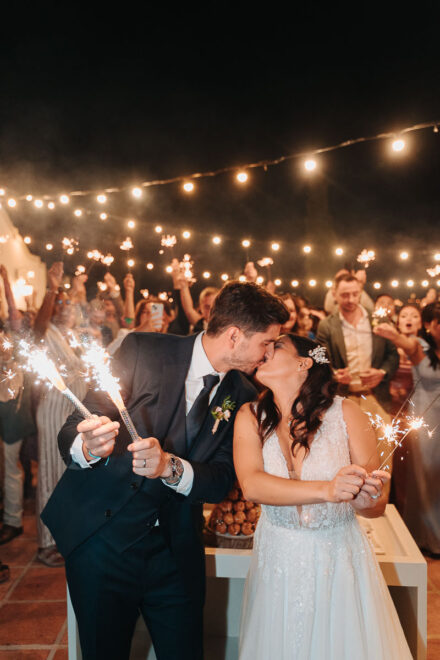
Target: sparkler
{"points": [[380, 315], [433, 272], [186, 266], [38, 361], [366, 257], [70, 245], [266, 262], [127, 244], [107, 260], [145, 293], [168, 241], [97, 359]]}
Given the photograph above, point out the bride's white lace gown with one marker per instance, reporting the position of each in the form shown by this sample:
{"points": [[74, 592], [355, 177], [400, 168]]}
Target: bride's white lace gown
{"points": [[314, 589]]}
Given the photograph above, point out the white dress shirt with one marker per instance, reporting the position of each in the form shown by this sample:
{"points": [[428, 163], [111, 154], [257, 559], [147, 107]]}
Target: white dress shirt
{"points": [[200, 366], [358, 341]]}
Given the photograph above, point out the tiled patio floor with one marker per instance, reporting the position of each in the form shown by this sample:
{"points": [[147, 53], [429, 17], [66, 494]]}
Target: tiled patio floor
{"points": [[33, 623]]}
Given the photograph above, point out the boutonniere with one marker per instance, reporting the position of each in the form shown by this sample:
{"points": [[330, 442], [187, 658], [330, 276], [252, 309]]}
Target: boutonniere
{"points": [[222, 412]]}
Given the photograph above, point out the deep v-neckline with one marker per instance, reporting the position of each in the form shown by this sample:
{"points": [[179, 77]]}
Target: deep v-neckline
{"points": [[292, 473]]}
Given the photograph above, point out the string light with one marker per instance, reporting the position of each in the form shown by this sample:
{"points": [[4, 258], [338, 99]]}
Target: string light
{"points": [[158, 229], [398, 145], [224, 277], [136, 192], [438, 282], [404, 255], [169, 269], [2, 192], [275, 247], [103, 216], [242, 278], [12, 203], [329, 284], [188, 187], [130, 263], [394, 283], [216, 240], [51, 206], [49, 246], [277, 282], [150, 266], [38, 203], [410, 283], [437, 256], [242, 177], [206, 274], [78, 213], [310, 165], [339, 251], [307, 249], [64, 199], [312, 282], [246, 243], [294, 283], [131, 224], [377, 285], [425, 283], [260, 279], [101, 199], [186, 234], [27, 240], [29, 198]]}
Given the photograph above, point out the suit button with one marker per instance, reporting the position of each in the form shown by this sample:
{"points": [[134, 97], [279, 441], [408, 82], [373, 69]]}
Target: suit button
{"points": [[108, 513], [134, 485]]}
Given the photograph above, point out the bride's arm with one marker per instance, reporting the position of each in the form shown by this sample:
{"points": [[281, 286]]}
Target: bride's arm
{"points": [[363, 451], [263, 488]]}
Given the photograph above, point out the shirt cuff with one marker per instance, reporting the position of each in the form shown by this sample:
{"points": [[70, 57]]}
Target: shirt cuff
{"points": [[77, 455], [186, 483]]}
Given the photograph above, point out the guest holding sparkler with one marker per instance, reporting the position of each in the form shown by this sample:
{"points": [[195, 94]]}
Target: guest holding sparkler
{"points": [[54, 325], [422, 509]]}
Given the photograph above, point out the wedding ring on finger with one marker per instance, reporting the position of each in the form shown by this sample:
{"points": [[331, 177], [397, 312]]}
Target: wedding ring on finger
{"points": [[145, 463], [375, 497]]}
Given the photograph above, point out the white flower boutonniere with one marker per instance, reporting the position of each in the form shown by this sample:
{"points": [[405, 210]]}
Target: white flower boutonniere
{"points": [[222, 412]]}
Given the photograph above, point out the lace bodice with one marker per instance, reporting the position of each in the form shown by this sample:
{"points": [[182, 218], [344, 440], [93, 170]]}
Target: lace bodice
{"points": [[329, 452]]}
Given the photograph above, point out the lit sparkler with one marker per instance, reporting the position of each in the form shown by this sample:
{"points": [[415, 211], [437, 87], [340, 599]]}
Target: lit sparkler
{"points": [[168, 241], [186, 266], [127, 244], [265, 262], [366, 257], [433, 272], [145, 293], [96, 255], [380, 315], [38, 361], [70, 245], [107, 260], [98, 361]]}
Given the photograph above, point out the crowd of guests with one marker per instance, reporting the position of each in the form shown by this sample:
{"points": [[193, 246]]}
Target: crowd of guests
{"points": [[385, 356]]}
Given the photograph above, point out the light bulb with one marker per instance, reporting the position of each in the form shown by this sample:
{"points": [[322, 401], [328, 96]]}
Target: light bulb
{"points": [[150, 266], [394, 283], [49, 246], [101, 199], [29, 198], [158, 229], [307, 249], [51, 206], [377, 285], [404, 255], [425, 283], [242, 177], [188, 186], [329, 284], [64, 199], [216, 240], [136, 192], [294, 283], [27, 240], [277, 282], [259, 279], [38, 203], [225, 277], [169, 269], [78, 213], [186, 234], [12, 203], [206, 274], [312, 282], [103, 216], [275, 247], [130, 263], [398, 145], [310, 165], [410, 283], [246, 243], [131, 224], [339, 251]]}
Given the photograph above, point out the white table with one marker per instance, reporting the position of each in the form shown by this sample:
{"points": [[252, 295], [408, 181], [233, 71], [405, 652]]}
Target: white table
{"points": [[403, 567]]}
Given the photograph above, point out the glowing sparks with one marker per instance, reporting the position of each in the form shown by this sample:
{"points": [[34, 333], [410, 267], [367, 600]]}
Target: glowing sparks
{"points": [[145, 293], [98, 362], [168, 241], [37, 360], [163, 295], [6, 344], [433, 272], [70, 245], [102, 286], [366, 257], [416, 423], [127, 244], [186, 266], [107, 260], [96, 255], [80, 270], [265, 262]]}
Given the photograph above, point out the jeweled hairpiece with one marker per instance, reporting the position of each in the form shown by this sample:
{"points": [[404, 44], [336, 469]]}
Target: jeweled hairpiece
{"points": [[319, 355]]}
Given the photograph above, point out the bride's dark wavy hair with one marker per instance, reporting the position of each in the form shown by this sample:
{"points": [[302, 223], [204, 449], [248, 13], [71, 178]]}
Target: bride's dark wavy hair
{"points": [[315, 397]]}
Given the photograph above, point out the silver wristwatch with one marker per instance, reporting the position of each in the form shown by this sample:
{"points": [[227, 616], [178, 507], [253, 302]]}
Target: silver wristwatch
{"points": [[176, 466]]}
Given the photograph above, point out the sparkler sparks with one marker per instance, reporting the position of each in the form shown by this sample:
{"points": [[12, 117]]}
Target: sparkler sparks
{"points": [[366, 257], [96, 255], [168, 241], [107, 260], [70, 245], [433, 272], [186, 266], [127, 244], [265, 261]]}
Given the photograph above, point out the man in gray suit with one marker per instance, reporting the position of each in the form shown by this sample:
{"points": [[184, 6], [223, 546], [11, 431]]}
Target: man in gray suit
{"points": [[363, 362]]}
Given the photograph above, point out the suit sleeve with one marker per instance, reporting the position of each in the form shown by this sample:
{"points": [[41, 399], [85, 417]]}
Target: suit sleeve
{"points": [[214, 479], [99, 403]]}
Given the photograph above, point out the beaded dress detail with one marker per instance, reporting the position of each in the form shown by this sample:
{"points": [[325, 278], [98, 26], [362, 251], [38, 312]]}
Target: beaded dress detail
{"points": [[314, 588]]}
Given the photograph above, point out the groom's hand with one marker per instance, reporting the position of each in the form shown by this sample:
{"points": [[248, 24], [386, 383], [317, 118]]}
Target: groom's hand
{"points": [[98, 436], [149, 459]]}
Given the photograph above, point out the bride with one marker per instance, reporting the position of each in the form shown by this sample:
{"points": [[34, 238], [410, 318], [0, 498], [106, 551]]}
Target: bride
{"points": [[314, 589]]}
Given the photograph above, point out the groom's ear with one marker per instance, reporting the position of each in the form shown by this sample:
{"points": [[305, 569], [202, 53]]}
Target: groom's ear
{"points": [[233, 334]]}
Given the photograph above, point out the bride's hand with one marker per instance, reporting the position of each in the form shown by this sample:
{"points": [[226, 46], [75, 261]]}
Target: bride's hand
{"points": [[346, 484]]}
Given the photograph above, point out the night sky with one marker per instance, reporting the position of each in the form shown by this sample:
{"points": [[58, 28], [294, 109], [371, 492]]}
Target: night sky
{"points": [[128, 98]]}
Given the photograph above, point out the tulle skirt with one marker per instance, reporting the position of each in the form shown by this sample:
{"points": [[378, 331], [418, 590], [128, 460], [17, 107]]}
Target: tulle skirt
{"points": [[317, 594]]}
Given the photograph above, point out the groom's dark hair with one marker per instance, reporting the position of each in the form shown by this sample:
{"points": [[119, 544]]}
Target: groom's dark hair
{"points": [[247, 306]]}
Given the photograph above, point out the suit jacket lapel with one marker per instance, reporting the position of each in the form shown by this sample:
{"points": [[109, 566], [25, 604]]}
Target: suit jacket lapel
{"points": [[206, 441], [170, 409], [339, 338]]}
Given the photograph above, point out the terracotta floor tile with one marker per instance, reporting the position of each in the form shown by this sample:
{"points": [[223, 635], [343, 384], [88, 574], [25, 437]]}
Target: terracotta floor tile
{"points": [[24, 655], [30, 527], [434, 572], [31, 623], [65, 639], [42, 583], [16, 572], [433, 613], [61, 654], [433, 649], [18, 552]]}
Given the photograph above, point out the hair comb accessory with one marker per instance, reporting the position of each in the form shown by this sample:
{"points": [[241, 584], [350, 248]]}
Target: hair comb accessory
{"points": [[319, 355]]}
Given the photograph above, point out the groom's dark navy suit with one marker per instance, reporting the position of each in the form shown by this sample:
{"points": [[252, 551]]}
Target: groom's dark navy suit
{"points": [[104, 518]]}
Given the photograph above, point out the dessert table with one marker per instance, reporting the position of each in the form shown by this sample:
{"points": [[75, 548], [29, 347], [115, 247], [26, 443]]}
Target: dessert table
{"points": [[403, 566]]}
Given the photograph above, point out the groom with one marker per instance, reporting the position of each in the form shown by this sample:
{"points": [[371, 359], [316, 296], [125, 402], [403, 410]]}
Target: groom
{"points": [[127, 516]]}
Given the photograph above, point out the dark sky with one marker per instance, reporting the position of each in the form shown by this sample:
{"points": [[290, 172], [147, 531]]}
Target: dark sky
{"points": [[112, 101]]}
